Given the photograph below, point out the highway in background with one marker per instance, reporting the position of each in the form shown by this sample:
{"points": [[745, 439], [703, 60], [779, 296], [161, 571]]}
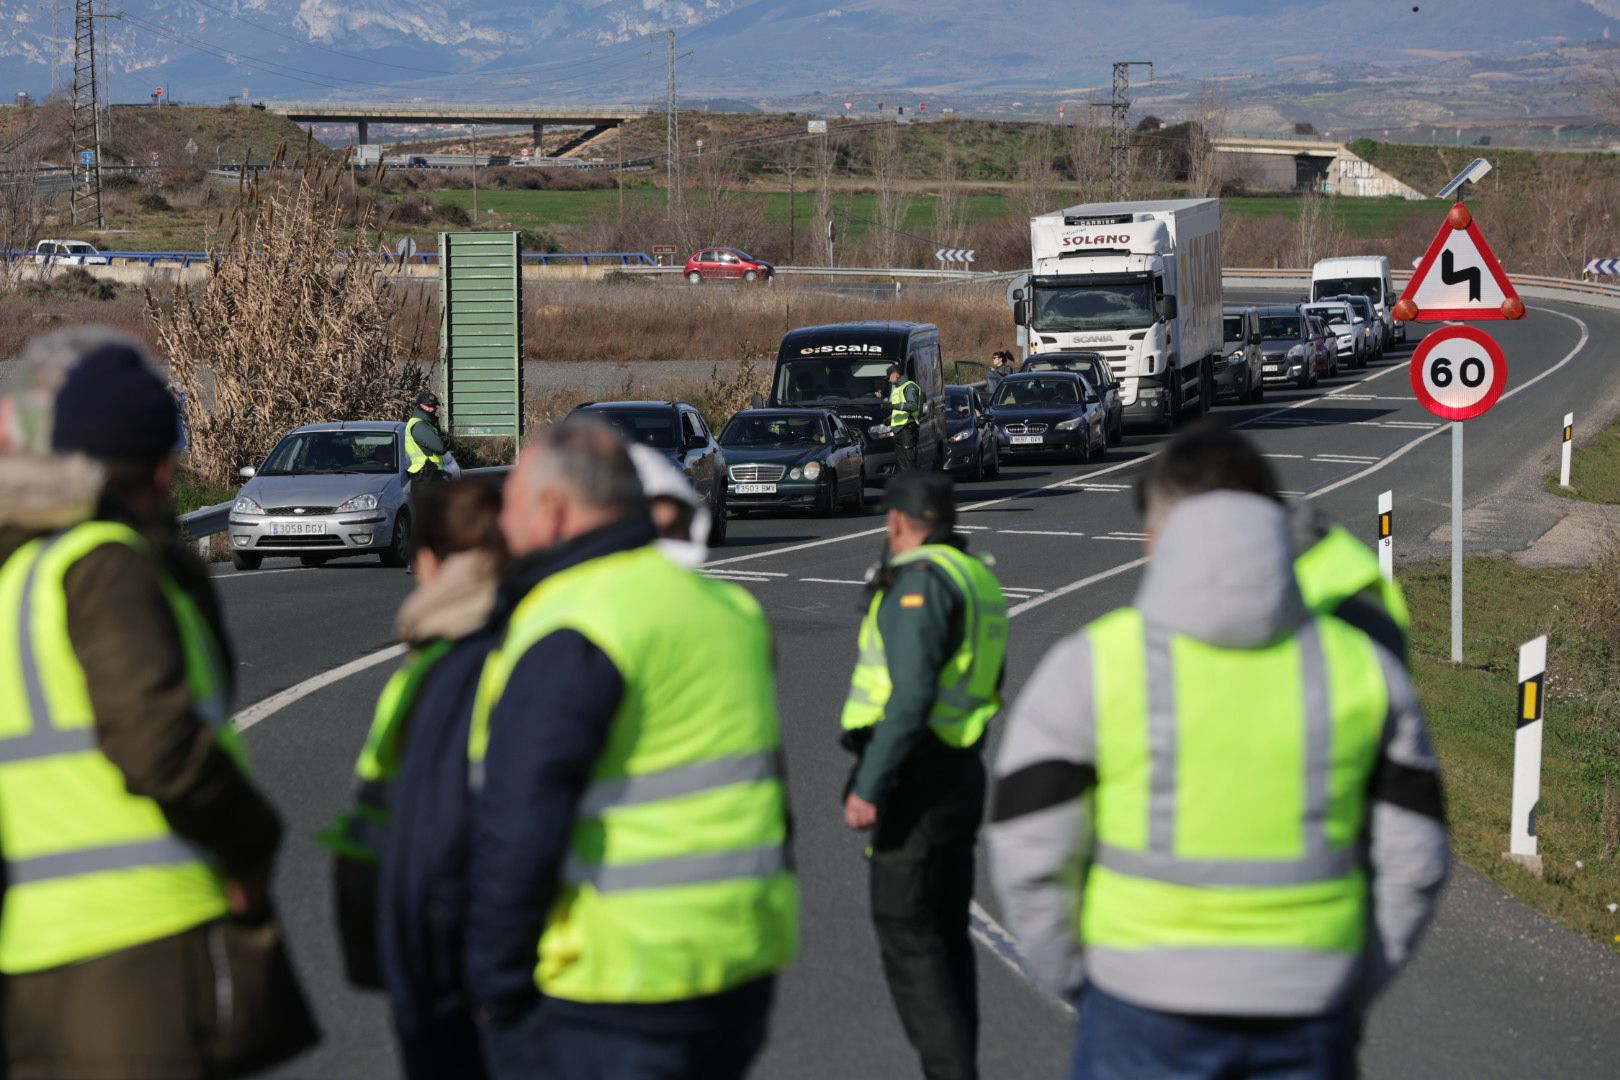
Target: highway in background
{"points": [[1497, 991]]}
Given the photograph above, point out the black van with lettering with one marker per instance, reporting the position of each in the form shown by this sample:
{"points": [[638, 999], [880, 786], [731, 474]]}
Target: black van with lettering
{"points": [[844, 367]]}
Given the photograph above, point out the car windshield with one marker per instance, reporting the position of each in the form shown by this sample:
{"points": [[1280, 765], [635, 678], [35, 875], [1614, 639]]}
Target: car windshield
{"points": [[1234, 327], [649, 427], [1361, 306], [333, 452], [743, 255], [1052, 393], [1372, 288], [1280, 327], [1331, 315], [958, 407], [832, 380], [769, 431], [1122, 306]]}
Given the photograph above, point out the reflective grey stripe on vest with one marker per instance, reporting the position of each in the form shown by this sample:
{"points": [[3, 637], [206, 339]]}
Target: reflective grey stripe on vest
{"points": [[159, 851], [1320, 861], [688, 870], [41, 740], [673, 783]]}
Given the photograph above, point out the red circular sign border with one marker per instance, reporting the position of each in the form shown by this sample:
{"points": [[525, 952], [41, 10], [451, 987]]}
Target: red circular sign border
{"points": [[1451, 333]]}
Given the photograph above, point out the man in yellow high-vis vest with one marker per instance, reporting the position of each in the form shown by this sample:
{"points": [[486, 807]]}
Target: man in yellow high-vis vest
{"points": [[926, 685], [134, 939], [1217, 825], [905, 412], [631, 896], [424, 445]]}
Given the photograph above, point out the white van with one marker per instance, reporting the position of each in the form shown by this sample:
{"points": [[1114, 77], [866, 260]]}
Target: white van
{"points": [[68, 253], [1360, 275]]}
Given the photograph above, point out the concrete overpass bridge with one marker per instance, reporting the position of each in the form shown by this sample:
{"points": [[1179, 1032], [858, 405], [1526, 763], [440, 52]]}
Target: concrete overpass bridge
{"points": [[1306, 164], [596, 118]]}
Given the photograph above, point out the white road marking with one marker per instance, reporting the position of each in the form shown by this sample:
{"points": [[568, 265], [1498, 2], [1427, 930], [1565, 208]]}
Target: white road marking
{"points": [[273, 704], [831, 581], [1036, 532], [1294, 456], [232, 575]]}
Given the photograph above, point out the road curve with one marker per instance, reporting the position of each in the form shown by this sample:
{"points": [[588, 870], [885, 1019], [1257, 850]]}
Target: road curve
{"points": [[1497, 991]]}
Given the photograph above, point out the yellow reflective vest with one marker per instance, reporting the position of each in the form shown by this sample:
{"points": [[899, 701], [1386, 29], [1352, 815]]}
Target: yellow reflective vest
{"points": [[902, 410], [1231, 803], [1339, 566], [91, 868], [678, 883], [415, 456], [968, 695]]}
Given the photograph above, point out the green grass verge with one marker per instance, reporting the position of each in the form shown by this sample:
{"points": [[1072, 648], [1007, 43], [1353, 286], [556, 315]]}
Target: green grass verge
{"points": [[1594, 469], [1472, 708], [1361, 217], [538, 211]]}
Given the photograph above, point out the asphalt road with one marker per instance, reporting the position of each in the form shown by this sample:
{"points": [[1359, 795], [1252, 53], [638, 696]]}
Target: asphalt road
{"points": [[1497, 991]]}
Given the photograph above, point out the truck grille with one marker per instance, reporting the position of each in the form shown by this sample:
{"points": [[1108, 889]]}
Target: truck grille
{"points": [[1026, 429], [756, 474]]}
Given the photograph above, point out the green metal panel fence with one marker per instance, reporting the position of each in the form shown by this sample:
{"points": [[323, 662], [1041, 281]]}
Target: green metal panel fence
{"points": [[481, 333]]}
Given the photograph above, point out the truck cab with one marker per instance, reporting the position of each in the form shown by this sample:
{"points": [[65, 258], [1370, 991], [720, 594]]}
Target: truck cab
{"points": [[844, 367], [1138, 283]]}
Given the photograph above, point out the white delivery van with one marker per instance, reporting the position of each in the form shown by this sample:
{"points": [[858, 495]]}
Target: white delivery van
{"points": [[1360, 275]]}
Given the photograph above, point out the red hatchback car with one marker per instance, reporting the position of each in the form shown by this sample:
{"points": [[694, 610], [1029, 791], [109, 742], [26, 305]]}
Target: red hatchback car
{"points": [[726, 264]]}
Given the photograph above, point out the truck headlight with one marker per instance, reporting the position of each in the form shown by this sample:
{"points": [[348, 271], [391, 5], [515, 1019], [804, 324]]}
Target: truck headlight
{"points": [[1071, 425]]}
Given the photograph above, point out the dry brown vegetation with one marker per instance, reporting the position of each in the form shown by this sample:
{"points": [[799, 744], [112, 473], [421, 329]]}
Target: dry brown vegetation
{"points": [[296, 325]]}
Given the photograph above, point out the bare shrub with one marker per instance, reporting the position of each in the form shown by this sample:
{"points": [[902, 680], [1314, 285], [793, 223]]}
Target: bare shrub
{"points": [[893, 204], [295, 325], [950, 205], [1090, 150], [1208, 125]]}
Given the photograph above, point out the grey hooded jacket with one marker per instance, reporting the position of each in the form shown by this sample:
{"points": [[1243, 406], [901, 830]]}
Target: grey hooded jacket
{"points": [[1040, 835]]}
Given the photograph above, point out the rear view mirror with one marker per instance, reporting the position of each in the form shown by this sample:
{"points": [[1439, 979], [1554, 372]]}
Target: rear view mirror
{"points": [[1256, 338], [1020, 316], [756, 401], [1167, 307], [247, 472]]}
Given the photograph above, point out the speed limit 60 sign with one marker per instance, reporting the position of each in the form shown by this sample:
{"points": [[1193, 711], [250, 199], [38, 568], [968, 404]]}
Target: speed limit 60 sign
{"points": [[1458, 372]]}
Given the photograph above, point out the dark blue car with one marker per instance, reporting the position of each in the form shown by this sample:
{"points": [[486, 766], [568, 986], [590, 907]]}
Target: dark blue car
{"points": [[1049, 412]]}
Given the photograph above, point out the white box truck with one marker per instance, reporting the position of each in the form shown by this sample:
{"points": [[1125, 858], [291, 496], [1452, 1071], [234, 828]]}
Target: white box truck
{"points": [[1139, 283]]}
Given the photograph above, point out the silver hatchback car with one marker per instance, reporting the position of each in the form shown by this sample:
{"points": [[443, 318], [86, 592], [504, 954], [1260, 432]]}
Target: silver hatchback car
{"points": [[326, 491]]}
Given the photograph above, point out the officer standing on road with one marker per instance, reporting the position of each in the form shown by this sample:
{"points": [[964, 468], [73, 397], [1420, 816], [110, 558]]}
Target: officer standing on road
{"points": [[905, 407], [629, 859], [136, 938], [1217, 825], [424, 445], [925, 688]]}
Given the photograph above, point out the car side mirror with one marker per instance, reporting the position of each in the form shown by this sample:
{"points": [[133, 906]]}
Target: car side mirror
{"points": [[247, 472], [843, 439], [1167, 307], [1255, 339], [694, 442]]}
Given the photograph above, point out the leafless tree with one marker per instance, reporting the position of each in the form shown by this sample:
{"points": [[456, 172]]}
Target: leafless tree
{"points": [[951, 204], [1038, 189], [892, 202], [718, 207], [1318, 234], [22, 215], [825, 162], [1090, 148], [1208, 125]]}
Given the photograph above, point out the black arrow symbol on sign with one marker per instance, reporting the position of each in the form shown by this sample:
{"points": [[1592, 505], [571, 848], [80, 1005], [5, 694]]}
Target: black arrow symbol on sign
{"points": [[1450, 275]]}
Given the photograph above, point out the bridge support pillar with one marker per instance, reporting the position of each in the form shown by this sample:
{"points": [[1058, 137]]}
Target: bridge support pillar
{"points": [[539, 133], [362, 133]]}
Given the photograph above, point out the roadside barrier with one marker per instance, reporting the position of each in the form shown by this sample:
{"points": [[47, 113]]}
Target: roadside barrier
{"points": [[1386, 535], [1527, 755], [425, 258]]}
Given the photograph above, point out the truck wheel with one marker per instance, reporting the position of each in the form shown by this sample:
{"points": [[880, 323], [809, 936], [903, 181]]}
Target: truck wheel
{"points": [[1172, 412], [1206, 388]]}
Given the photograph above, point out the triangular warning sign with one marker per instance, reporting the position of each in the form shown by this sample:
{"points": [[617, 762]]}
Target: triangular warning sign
{"points": [[1459, 278]]}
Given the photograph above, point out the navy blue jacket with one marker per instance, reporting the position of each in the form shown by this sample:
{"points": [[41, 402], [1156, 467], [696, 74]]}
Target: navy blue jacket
{"points": [[546, 733]]}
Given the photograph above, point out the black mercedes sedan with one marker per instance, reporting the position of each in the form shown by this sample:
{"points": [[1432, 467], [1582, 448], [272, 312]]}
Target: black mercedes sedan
{"points": [[806, 459], [1049, 412]]}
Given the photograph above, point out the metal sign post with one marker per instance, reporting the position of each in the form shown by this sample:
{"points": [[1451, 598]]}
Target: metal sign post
{"points": [[1456, 541]]}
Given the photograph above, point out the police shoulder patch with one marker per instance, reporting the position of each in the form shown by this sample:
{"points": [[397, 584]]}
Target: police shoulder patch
{"points": [[911, 600]]}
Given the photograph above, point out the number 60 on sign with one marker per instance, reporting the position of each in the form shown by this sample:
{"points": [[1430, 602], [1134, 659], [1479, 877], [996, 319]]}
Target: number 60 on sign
{"points": [[1458, 372]]}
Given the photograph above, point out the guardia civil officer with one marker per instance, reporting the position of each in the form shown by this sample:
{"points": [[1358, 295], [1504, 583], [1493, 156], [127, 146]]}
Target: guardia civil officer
{"points": [[905, 407], [1217, 825], [424, 445], [925, 688]]}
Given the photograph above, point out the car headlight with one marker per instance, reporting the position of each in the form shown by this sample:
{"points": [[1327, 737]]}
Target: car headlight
{"points": [[878, 431], [796, 474], [359, 502], [1297, 353], [245, 505], [962, 436], [1071, 425], [812, 470]]}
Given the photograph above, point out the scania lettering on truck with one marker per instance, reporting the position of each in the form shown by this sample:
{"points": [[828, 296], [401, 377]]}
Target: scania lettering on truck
{"points": [[1139, 283], [1360, 275], [845, 367]]}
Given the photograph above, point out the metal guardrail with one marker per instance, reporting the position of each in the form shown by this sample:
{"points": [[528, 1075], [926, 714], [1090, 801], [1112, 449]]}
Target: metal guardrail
{"points": [[425, 258], [841, 271]]}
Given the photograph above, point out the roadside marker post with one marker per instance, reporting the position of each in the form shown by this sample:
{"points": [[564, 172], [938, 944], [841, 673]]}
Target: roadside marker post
{"points": [[1386, 535], [1569, 441], [1527, 755]]}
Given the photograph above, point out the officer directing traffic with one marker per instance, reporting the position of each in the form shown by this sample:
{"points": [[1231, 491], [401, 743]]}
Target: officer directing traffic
{"points": [[925, 688], [1217, 824], [905, 407], [424, 445]]}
